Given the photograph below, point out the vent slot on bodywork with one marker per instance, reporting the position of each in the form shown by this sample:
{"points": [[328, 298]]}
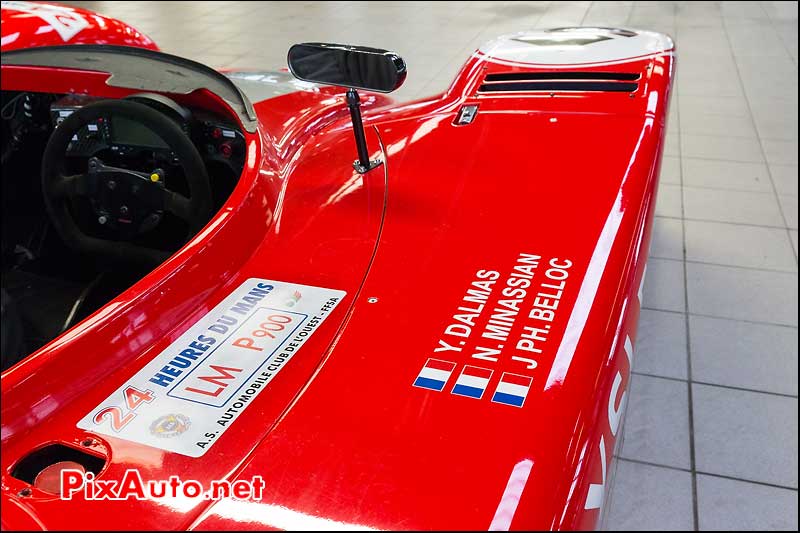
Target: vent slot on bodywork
{"points": [[622, 82]]}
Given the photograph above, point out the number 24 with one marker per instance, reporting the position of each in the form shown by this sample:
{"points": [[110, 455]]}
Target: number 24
{"points": [[119, 418]]}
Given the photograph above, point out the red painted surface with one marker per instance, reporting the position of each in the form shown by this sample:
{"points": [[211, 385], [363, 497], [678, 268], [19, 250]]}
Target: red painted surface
{"points": [[341, 436], [30, 24]]}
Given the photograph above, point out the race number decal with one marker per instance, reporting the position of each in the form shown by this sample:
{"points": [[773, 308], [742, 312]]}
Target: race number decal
{"points": [[61, 19], [190, 393]]}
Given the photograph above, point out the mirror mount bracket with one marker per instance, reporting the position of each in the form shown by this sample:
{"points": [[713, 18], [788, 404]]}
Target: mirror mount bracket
{"points": [[363, 164]]}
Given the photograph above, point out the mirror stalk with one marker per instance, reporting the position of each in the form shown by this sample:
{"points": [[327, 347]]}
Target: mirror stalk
{"points": [[363, 164]]}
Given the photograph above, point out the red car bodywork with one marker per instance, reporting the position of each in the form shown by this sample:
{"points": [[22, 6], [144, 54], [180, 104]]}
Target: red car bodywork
{"points": [[28, 24], [342, 438]]}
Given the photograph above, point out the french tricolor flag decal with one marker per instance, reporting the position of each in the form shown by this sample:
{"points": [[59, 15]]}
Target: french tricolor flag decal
{"points": [[472, 382], [434, 374], [512, 389]]}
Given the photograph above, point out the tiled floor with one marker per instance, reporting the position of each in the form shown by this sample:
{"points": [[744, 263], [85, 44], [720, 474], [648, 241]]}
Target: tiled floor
{"points": [[711, 436]]}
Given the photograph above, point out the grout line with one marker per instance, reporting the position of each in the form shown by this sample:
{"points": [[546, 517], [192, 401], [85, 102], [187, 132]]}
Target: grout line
{"points": [[690, 403], [760, 322], [727, 189], [695, 262], [732, 190], [764, 162], [760, 141], [722, 221], [586, 13], [710, 474], [780, 37], [690, 408], [718, 385], [651, 463]]}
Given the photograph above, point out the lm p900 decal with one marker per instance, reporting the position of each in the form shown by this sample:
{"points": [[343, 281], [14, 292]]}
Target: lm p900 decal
{"points": [[189, 394]]}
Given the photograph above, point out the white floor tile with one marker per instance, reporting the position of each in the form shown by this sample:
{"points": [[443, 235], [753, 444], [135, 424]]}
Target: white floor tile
{"points": [[727, 504], [747, 435]]}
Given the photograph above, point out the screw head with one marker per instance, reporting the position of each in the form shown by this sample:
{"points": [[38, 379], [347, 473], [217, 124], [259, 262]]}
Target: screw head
{"points": [[111, 184], [123, 210], [102, 219]]}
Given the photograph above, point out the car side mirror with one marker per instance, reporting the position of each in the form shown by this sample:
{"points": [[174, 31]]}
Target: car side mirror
{"points": [[354, 67]]}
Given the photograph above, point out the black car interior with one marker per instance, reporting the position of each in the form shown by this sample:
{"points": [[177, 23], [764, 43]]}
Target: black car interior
{"points": [[95, 194]]}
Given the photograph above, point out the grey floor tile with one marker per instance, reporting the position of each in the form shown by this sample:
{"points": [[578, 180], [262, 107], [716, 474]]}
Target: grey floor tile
{"points": [[657, 422], [672, 146], [649, 498], [781, 10], [720, 105], [731, 505], [667, 239], [789, 209], [732, 206], [742, 294], [670, 170], [739, 245], [661, 344], [715, 124], [742, 354], [782, 128], [747, 435], [725, 148], [780, 152], [774, 109], [669, 201], [785, 179], [664, 285], [731, 175], [724, 87]]}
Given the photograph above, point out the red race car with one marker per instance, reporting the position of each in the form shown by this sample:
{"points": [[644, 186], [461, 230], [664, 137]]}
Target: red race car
{"points": [[249, 300]]}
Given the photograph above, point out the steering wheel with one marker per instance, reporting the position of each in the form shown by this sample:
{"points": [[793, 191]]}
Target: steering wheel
{"points": [[130, 199]]}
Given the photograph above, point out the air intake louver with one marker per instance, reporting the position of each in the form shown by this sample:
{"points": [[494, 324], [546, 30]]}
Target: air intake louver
{"points": [[623, 82]]}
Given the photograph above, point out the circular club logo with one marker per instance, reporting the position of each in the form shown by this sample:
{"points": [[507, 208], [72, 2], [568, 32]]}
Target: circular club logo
{"points": [[169, 426]]}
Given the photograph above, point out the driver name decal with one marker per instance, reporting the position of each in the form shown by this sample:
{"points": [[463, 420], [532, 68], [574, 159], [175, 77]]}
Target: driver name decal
{"points": [[191, 392], [500, 331]]}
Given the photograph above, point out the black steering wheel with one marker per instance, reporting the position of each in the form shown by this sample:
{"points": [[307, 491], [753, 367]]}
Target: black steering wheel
{"points": [[130, 199]]}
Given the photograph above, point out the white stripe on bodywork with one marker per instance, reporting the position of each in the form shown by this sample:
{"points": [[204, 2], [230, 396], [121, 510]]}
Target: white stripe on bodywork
{"points": [[510, 500], [591, 281], [570, 65], [629, 351], [586, 294], [8, 39], [615, 415], [641, 285], [594, 498]]}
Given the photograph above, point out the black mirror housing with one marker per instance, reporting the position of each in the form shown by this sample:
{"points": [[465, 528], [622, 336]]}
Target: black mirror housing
{"points": [[356, 67]]}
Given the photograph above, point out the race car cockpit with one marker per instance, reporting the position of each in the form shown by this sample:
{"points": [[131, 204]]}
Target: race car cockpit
{"points": [[97, 191]]}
